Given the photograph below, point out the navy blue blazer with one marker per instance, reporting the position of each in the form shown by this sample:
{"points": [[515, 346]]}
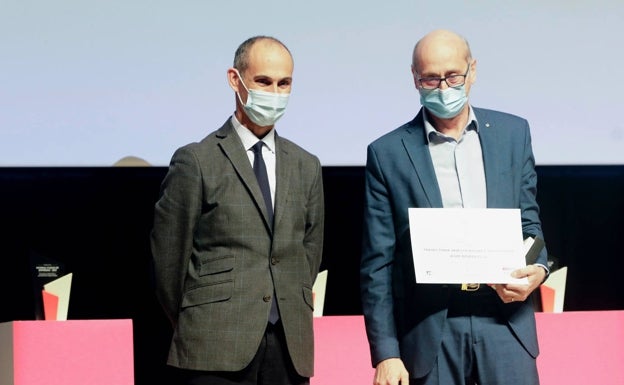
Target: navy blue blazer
{"points": [[404, 319]]}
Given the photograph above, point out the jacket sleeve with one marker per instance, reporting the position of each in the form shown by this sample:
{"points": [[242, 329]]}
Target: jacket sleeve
{"points": [[175, 217], [377, 263], [315, 217], [531, 224]]}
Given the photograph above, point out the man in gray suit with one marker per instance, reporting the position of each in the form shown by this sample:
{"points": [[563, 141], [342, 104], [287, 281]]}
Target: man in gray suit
{"points": [[238, 235], [450, 155]]}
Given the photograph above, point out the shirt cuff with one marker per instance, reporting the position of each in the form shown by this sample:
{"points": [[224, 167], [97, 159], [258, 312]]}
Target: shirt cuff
{"points": [[545, 269]]}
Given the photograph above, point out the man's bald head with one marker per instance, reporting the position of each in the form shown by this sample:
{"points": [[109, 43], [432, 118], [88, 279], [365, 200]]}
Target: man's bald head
{"points": [[440, 42]]}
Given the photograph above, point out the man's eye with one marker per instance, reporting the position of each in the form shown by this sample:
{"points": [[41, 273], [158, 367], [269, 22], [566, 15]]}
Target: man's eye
{"points": [[430, 81]]}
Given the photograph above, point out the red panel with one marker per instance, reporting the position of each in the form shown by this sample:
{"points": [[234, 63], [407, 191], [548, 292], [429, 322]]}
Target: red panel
{"points": [[50, 305], [576, 348], [341, 351], [581, 348], [73, 352]]}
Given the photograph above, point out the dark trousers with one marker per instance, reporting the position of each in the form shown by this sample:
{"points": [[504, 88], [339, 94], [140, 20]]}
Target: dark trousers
{"points": [[270, 366], [478, 347]]}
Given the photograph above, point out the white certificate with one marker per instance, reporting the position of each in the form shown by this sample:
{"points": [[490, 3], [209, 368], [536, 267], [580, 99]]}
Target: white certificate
{"points": [[466, 245]]}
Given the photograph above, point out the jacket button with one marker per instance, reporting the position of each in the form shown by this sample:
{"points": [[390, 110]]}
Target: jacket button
{"points": [[266, 298], [274, 261]]}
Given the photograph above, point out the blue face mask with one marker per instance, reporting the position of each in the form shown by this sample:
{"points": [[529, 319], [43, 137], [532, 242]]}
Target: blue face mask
{"points": [[444, 104], [264, 108]]}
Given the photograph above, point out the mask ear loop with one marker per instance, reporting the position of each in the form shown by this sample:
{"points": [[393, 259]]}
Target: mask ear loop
{"points": [[246, 89]]}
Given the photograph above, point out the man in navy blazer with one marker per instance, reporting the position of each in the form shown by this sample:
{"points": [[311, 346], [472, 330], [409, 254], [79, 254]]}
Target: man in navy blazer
{"points": [[450, 155]]}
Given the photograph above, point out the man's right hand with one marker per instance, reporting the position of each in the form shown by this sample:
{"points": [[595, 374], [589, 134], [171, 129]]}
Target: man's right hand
{"points": [[391, 372]]}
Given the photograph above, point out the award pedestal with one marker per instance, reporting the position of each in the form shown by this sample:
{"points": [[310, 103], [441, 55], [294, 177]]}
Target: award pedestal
{"points": [[75, 352]]}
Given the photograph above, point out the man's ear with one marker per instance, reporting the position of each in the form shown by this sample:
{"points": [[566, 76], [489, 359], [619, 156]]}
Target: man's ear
{"points": [[473, 71], [415, 76], [234, 79]]}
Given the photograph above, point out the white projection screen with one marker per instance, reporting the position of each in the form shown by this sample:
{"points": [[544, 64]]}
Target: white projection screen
{"points": [[85, 83]]}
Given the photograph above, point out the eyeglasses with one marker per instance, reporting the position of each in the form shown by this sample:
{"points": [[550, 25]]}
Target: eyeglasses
{"points": [[432, 83]]}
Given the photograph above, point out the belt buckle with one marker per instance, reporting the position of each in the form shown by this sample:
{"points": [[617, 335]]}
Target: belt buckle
{"points": [[470, 286]]}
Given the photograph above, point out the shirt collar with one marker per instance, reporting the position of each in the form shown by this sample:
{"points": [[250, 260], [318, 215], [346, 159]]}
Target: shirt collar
{"points": [[431, 131], [249, 139]]}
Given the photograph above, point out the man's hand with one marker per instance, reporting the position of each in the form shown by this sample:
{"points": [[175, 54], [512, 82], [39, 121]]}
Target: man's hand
{"points": [[514, 292], [391, 372]]}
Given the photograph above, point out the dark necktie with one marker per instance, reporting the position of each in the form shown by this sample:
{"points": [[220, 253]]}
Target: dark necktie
{"points": [[263, 180]]}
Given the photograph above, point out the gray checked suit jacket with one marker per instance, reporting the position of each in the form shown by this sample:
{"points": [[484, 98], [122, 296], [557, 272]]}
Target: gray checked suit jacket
{"points": [[217, 262]]}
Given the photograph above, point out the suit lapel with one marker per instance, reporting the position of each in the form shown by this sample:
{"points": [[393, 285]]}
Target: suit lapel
{"points": [[233, 149], [489, 148], [415, 144], [284, 170]]}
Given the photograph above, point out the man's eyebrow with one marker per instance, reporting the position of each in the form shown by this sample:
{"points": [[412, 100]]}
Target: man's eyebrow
{"points": [[262, 76]]}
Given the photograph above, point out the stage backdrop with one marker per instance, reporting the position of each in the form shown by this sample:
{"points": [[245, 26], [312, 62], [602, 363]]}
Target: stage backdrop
{"points": [[85, 83]]}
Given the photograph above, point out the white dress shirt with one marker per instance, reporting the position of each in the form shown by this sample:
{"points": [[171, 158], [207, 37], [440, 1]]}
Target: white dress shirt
{"points": [[268, 151]]}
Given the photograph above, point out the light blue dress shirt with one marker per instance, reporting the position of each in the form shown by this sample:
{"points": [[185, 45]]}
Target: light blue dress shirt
{"points": [[458, 165]]}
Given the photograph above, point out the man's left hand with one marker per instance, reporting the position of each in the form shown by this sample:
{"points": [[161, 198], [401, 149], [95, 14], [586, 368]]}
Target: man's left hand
{"points": [[516, 292]]}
